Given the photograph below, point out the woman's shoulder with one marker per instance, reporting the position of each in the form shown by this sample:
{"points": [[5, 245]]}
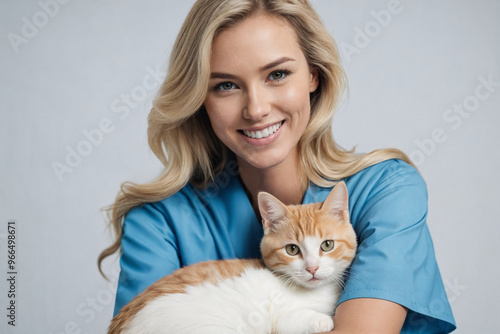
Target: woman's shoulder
{"points": [[393, 172], [223, 192], [386, 174], [179, 199], [394, 180], [390, 191], [387, 198]]}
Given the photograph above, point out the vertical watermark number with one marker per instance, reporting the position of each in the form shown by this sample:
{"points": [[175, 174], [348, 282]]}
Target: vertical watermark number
{"points": [[11, 273]]}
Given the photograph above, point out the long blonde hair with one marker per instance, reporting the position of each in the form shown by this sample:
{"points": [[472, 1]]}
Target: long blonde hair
{"points": [[179, 132]]}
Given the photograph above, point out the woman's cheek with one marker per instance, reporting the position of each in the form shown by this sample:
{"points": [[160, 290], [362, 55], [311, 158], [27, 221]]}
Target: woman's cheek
{"points": [[294, 100]]}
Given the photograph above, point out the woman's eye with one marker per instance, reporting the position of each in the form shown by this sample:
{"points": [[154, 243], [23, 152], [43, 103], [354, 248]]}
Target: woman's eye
{"points": [[292, 249], [225, 86], [327, 245], [278, 75]]}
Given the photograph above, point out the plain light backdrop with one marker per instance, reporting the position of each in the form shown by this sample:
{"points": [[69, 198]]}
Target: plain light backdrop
{"points": [[76, 83]]}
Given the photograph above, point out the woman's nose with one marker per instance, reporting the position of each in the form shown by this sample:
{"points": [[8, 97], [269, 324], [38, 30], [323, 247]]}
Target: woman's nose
{"points": [[257, 104]]}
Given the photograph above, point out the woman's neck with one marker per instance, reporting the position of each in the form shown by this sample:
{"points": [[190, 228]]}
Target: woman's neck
{"points": [[284, 181]]}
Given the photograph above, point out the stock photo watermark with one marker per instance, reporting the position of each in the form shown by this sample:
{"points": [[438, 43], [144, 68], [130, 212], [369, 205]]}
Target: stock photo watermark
{"points": [[259, 317], [453, 290], [9, 245], [48, 9], [94, 137], [87, 310], [222, 180], [453, 118], [364, 36]]}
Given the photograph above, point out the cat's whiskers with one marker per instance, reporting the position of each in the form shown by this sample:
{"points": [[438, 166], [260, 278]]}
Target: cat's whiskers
{"points": [[333, 275], [289, 282], [339, 280], [286, 278], [353, 278]]}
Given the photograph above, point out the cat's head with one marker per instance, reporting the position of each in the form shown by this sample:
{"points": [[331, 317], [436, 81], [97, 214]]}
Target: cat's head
{"points": [[308, 245]]}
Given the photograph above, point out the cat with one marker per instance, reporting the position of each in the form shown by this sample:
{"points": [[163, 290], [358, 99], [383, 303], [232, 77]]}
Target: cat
{"points": [[294, 288]]}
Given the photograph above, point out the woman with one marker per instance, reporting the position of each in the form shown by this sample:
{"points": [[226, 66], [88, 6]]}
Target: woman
{"points": [[247, 106]]}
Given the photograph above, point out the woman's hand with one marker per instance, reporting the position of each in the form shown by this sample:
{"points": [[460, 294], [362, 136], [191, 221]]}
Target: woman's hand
{"points": [[370, 316]]}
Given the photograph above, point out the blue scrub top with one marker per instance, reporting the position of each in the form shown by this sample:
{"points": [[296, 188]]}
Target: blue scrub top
{"points": [[395, 259]]}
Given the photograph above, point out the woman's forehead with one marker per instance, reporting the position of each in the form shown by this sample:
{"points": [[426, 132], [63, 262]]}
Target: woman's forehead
{"points": [[259, 40]]}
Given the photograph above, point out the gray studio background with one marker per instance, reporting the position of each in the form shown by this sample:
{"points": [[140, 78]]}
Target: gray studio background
{"points": [[76, 83]]}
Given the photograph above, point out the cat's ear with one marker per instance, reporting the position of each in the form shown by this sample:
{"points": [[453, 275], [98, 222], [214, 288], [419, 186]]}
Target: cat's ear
{"points": [[337, 202], [271, 210]]}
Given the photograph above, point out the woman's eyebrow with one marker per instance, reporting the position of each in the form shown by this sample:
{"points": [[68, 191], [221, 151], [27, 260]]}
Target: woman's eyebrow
{"points": [[276, 63], [221, 75]]}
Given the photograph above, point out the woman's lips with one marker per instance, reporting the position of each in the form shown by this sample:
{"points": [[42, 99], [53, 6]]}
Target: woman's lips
{"points": [[263, 136], [263, 133]]}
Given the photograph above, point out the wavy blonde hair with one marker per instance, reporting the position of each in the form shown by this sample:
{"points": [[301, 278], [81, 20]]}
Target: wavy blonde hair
{"points": [[179, 132]]}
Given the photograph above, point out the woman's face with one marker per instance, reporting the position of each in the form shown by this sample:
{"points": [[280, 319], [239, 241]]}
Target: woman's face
{"points": [[258, 96]]}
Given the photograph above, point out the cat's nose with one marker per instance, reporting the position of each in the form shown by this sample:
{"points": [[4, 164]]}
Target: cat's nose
{"points": [[312, 270]]}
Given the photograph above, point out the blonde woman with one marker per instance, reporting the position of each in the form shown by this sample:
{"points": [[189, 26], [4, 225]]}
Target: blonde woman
{"points": [[247, 106]]}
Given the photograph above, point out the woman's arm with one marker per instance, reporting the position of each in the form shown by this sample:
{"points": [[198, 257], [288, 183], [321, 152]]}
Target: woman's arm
{"points": [[148, 252], [370, 316], [395, 266]]}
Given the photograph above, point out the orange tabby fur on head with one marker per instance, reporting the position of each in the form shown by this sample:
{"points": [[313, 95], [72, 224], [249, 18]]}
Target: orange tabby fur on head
{"points": [[293, 289]]}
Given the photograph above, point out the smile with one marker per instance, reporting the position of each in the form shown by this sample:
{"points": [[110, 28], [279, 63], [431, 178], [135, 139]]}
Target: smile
{"points": [[263, 133]]}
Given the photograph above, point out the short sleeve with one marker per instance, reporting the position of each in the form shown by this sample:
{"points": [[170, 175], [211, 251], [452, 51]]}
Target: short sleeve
{"points": [[395, 260], [149, 252]]}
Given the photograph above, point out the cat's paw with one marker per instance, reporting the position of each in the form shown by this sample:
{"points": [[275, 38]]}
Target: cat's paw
{"points": [[320, 323]]}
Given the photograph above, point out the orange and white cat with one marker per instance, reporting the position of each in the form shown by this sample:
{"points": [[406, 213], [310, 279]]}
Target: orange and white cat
{"points": [[293, 289]]}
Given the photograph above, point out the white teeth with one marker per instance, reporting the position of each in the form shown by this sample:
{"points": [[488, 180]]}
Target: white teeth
{"points": [[264, 133]]}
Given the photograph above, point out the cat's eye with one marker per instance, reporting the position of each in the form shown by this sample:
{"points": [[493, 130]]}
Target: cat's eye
{"points": [[292, 249], [327, 245]]}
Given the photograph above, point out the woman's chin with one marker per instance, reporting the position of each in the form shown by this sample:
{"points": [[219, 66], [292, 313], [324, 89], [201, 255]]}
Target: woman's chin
{"points": [[263, 159]]}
